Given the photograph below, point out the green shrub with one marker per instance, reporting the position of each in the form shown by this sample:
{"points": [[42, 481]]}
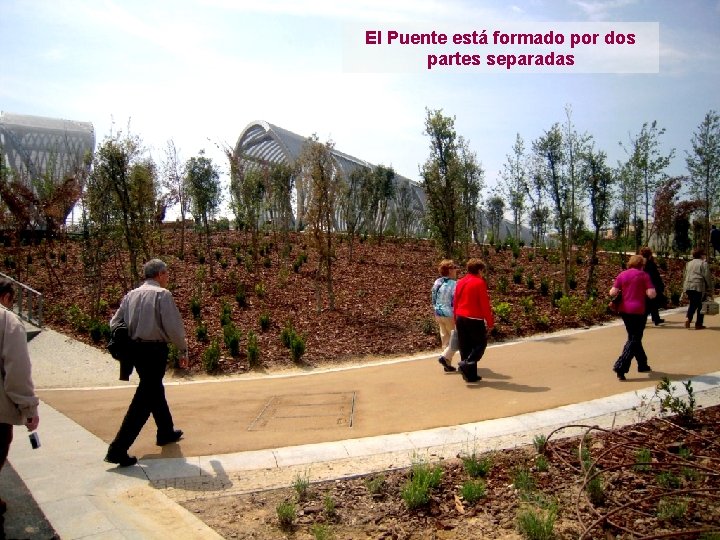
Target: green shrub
{"points": [[669, 509], [643, 458], [473, 490], [320, 531], [260, 289], [503, 310], [301, 485], [423, 478], [211, 357], [253, 350], [544, 287], [286, 334], [536, 523], [99, 330], [476, 466], [264, 321], [297, 347], [428, 326], [523, 479], [225, 314], [375, 484], [530, 283], [502, 284], [201, 331], [240, 297], [231, 337], [195, 307], [79, 320], [517, 275], [567, 305], [287, 513]]}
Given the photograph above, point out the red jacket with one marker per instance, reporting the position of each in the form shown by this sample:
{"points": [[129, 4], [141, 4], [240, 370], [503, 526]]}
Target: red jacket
{"points": [[471, 299]]}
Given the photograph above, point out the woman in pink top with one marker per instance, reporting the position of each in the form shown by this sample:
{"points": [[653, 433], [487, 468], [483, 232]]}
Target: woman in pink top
{"points": [[635, 285]]}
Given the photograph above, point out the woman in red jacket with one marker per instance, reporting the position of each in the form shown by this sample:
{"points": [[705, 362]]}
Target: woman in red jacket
{"points": [[473, 318]]}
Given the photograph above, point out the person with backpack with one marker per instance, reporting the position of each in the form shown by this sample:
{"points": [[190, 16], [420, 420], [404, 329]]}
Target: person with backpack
{"points": [[442, 293]]}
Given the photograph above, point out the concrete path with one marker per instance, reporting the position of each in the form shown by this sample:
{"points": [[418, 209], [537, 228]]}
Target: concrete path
{"points": [[259, 431]]}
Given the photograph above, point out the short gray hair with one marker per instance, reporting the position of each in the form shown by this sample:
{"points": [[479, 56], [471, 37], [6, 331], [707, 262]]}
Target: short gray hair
{"points": [[153, 267]]}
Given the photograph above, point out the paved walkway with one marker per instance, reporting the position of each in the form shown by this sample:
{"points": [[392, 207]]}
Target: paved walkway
{"points": [[260, 431]]}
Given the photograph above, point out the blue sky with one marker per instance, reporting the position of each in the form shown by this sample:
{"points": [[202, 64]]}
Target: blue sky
{"points": [[198, 71]]}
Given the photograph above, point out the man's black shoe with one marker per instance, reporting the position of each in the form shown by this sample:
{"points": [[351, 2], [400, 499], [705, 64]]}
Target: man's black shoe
{"points": [[172, 437], [659, 321], [644, 369], [620, 375], [120, 459]]}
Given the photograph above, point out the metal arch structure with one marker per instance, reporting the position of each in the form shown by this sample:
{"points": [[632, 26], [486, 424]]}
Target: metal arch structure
{"points": [[37, 146], [264, 143]]}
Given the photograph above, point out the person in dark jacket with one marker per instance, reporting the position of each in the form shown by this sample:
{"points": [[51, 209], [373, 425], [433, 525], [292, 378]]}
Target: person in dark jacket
{"points": [[660, 301]]}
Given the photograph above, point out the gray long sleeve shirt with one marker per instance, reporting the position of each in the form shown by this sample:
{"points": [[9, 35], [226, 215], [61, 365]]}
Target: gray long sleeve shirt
{"points": [[151, 314], [17, 393]]}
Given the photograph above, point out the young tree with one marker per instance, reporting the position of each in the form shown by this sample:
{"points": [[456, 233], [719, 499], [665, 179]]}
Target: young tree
{"points": [[281, 181], [441, 180], [176, 188], [124, 178], [549, 147], [495, 212], [406, 208], [472, 181], [203, 181], [351, 199], [383, 191], [704, 167], [515, 182], [664, 211], [597, 180], [322, 177], [248, 186], [645, 168]]}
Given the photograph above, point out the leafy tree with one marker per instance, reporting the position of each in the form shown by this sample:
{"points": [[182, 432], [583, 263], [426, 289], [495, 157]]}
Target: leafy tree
{"points": [[177, 192], [248, 186], [472, 181], [644, 169], [203, 182], [495, 212], [318, 170], [382, 192], [281, 180], [704, 167], [575, 146], [406, 208], [597, 181], [441, 180], [664, 211], [515, 182], [351, 201], [555, 183], [122, 195]]}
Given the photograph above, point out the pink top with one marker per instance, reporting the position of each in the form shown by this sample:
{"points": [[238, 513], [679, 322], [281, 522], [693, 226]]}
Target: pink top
{"points": [[633, 283]]}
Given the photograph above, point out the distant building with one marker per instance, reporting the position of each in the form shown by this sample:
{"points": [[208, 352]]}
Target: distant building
{"points": [[264, 143], [35, 147]]}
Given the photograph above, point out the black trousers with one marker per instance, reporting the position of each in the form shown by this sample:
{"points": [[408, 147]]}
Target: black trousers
{"points": [[635, 326], [150, 361], [472, 338], [695, 298]]}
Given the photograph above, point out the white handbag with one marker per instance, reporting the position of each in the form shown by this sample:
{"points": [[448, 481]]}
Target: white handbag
{"points": [[710, 307]]}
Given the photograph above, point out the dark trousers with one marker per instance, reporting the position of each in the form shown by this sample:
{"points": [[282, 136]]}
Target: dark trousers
{"points": [[635, 326], [6, 437], [695, 299], [472, 338], [653, 310], [150, 360]]}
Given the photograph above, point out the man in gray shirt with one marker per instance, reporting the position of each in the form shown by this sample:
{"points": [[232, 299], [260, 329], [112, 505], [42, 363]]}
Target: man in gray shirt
{"points": [[153, 321]]}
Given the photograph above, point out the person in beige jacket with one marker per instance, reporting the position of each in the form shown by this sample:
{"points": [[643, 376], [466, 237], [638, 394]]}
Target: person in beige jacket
{"points": [[18, 403], [697, 284], [153, 321]]}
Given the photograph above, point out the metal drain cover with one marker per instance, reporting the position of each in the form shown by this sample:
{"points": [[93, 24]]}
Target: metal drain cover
{"points": [[306, 412]]}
